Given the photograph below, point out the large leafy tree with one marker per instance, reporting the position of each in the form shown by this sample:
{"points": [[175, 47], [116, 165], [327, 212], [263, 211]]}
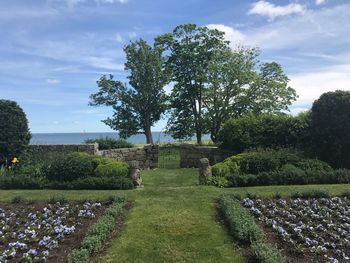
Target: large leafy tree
{"points": [[138, 106], [238, 83], [189, 50]]}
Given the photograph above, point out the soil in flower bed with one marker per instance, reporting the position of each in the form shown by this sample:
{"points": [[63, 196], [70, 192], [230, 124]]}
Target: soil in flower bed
{"points": [[43, 232], [307, 230]]}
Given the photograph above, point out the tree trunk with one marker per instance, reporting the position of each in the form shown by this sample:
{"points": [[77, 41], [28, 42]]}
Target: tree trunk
{"points": [[148, 133]]}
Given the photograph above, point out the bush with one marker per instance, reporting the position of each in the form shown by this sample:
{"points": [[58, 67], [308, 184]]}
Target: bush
{"points": [[108, 143], [14, 131], [263, 130], [274, 167], [20, 182], [330, 126], [71, 167], [265, 253], [112, 169], [94, 183], [240, 223], [98, 233]]}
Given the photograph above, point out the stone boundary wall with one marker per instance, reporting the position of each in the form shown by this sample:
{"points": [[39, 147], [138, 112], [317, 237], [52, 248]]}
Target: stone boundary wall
{"points": [[191, 154], [63, 148], [146, 156]]}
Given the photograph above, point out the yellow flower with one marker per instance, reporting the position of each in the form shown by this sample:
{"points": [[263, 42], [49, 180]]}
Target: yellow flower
{"points": [[14, 160]]}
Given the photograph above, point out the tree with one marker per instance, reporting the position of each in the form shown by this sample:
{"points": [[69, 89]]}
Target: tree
{"points": [[239, 84], [330, 128], [189, 50], [14, 131], [138, 107]]}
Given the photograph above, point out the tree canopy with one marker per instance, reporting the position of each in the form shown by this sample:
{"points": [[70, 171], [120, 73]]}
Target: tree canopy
{"points": [[136, 108]]}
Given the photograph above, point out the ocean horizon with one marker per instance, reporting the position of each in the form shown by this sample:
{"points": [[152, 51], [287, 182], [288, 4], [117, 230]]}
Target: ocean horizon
{"points": [[80, 137]]}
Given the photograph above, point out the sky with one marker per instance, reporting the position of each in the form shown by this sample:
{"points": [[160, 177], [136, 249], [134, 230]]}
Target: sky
{"points": [[52, 52]]}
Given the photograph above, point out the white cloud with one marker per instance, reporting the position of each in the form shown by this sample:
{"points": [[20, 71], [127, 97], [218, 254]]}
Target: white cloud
{"points": [[272, 11], [55, 122], [231, 34], [310, 85], [320, 2], [104, 63], [53, 81]]}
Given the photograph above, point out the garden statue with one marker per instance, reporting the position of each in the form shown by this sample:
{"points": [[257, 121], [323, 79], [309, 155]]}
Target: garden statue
{"points": [[135, 173], [204, 170]]}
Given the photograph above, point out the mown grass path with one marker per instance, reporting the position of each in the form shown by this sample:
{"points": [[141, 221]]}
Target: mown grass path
{"points": [[173, 219]]}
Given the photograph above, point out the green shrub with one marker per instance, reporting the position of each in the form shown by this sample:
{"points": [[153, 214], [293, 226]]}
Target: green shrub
{"points": [[93, 183], [18, 199], [71, 167], [20, 182], [107, 143], [112, 169], [311, 194], [79, 256], [330, 126], [98, 232], [240, 223], [263, 130], [265, 253], [313, 165], [14, 131]]}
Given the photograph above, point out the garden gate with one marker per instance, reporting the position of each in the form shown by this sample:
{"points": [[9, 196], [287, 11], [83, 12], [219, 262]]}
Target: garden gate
{"points": [[169, 156]]}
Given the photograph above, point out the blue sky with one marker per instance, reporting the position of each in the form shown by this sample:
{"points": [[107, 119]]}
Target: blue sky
{"points": [[53, 51]]}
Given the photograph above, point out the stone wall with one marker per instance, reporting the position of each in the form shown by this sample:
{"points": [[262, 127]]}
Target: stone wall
{"points": [[63, 148], [191, 154], [146, 156]]}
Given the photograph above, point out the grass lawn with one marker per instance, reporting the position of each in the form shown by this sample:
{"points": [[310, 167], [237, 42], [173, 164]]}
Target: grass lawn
{"points": [[172, 219]]}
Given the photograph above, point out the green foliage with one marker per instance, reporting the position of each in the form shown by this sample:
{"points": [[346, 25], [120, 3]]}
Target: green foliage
{"points": [[311, 194], [265, 253], [58, 199], [241, 224], [79, 256], [93, 183], [139, 107], [274, 167], [330, 126], [108, 143], [20, 182], [71, 167], [112, 169], [263, 130], [98, 233], [14, 131]]}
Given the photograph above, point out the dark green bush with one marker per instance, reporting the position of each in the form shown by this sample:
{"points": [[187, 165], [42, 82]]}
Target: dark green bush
{"points": [[107, 143], [94, 183], [330, 126], [263, 130], [112, 169], [71, 167], [14, 131], [20, 182]]}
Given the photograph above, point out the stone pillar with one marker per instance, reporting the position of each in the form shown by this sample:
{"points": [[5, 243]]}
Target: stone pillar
{"points": [[135, 173], [204, 170]]}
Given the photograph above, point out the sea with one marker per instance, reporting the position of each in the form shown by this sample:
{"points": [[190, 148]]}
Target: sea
{"points": [[77, 138]]}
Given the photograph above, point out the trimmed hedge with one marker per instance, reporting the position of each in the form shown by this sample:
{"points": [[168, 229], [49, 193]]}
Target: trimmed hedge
{"points": [[98, 233], [243, 229], [274, 167], [112, 169]]}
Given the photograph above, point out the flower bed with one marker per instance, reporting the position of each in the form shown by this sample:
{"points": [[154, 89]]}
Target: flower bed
{"points": [[316, 229], [42, 232]]}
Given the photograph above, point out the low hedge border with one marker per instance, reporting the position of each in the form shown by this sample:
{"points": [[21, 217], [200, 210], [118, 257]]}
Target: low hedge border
{"points": [[98, 233], [242, 227]]}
